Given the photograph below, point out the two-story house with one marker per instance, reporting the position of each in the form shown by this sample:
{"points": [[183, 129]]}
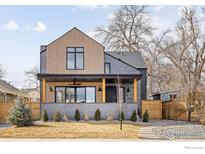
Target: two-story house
{"points": [[77, 72]]}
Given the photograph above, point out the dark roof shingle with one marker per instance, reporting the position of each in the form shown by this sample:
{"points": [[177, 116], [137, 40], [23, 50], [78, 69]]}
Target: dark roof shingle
{"points": [[132, 58]]}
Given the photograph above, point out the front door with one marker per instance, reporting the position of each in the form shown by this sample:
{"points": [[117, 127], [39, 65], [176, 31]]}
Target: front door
{"points": [[111, 94]]}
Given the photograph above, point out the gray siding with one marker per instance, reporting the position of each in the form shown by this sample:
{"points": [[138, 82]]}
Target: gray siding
{"points": [[43, 62], [143, 83], [86, 108]]}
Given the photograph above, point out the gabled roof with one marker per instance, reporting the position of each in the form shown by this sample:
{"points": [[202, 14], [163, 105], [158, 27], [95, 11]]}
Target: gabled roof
{"points": [[119, 67], [8, 88], [134, 59], [5, 87], [68, 33]]}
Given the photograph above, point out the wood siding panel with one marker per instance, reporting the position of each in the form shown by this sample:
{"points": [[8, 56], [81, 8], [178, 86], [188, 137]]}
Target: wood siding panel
{"points": [[135, 91], [103, 90], [51, 94], [93, 54]]}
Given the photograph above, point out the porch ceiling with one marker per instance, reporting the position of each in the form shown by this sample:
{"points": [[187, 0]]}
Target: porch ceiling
{"points": [[86, 77]]}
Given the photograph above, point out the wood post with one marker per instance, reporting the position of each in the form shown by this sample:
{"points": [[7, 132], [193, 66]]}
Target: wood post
{"points": [[43, 90], [103, 90], [135, 91]]}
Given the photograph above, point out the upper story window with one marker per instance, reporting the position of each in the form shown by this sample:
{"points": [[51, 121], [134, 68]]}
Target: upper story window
{"points": [[107, 68], [75, 58]]}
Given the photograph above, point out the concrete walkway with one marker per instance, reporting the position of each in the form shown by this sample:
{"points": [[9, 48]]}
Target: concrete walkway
{"points": [[172, 132], [147, 133], [2, 126]]}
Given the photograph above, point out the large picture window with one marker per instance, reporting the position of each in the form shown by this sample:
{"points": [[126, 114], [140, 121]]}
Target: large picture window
{"points": [[75, 94], [60, 94], [80, 95], [75, 58], [90, 94], [70, 95]]}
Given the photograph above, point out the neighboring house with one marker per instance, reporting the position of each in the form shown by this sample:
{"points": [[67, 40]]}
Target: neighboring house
{"points": [[9, 93], [166, 96], [33, 94], [76, 72]]}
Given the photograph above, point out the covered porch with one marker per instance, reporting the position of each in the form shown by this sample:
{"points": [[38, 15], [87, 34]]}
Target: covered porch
{"points": [[87, 93], [84, 88]]}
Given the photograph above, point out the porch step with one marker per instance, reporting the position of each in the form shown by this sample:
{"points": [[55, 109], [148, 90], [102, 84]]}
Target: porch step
{"points": [[147, 133]]}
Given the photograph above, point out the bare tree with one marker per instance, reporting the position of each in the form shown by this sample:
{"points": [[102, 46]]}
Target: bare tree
{"points": [[186, 51], [32, 76], [2, 72], [128, 29]]}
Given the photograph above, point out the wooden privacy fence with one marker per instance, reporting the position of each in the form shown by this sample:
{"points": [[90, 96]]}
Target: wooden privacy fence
{"points": [[154, 108], [174, 110], [202, 115], [6, 106]]}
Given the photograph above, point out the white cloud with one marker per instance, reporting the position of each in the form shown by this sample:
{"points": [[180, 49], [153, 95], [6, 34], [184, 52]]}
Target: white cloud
{"points": [[11, 25], [158, 8], [40, 27]]}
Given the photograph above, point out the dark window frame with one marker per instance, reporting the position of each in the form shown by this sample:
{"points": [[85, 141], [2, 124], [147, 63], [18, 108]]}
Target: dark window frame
{"points": [[56, 93], [75, 53], [108, 63], [75, 93]]}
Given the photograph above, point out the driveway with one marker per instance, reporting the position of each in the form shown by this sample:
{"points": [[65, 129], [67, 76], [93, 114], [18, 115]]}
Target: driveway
{"points": [[3, 125]]}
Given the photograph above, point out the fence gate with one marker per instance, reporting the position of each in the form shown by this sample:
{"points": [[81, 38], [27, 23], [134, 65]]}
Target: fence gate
{"points": [[174, 110]]}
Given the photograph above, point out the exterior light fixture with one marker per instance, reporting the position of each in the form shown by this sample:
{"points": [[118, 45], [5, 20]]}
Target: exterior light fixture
{"points": [[100, 89], [50, 89], [128, 89]]}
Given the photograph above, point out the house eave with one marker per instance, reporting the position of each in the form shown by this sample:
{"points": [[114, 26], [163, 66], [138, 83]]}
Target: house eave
{"points": [[87, 76]]}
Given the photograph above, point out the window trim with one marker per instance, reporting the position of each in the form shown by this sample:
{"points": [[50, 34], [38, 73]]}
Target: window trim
{"points": [[75, 68], [109, 67], [56, 93], [75, 91]]}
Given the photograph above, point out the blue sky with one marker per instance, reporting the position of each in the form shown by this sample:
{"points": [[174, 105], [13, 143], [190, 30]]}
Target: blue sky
{"points": [[24, 28]]}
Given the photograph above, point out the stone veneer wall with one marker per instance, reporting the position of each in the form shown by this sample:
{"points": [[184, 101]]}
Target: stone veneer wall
{"points": [[105, 108]]}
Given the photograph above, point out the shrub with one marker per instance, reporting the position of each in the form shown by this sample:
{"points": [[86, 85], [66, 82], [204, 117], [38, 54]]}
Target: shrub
{"points": [[97, 115], [44, 117], [122, 116], [57, 117], [134, 116], [20, 114], [146, 116], [77, 115]]}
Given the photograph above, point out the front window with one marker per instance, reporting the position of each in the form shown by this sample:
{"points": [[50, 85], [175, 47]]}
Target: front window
{"points": [[90, 94], [107, 68], [60, 94], [75, 58], [70, 95], [75, 94], [80, 96]]}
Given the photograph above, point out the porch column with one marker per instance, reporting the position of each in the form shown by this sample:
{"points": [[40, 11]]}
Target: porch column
{"points": [[135, 91], [43, 90], [103, 90]]}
